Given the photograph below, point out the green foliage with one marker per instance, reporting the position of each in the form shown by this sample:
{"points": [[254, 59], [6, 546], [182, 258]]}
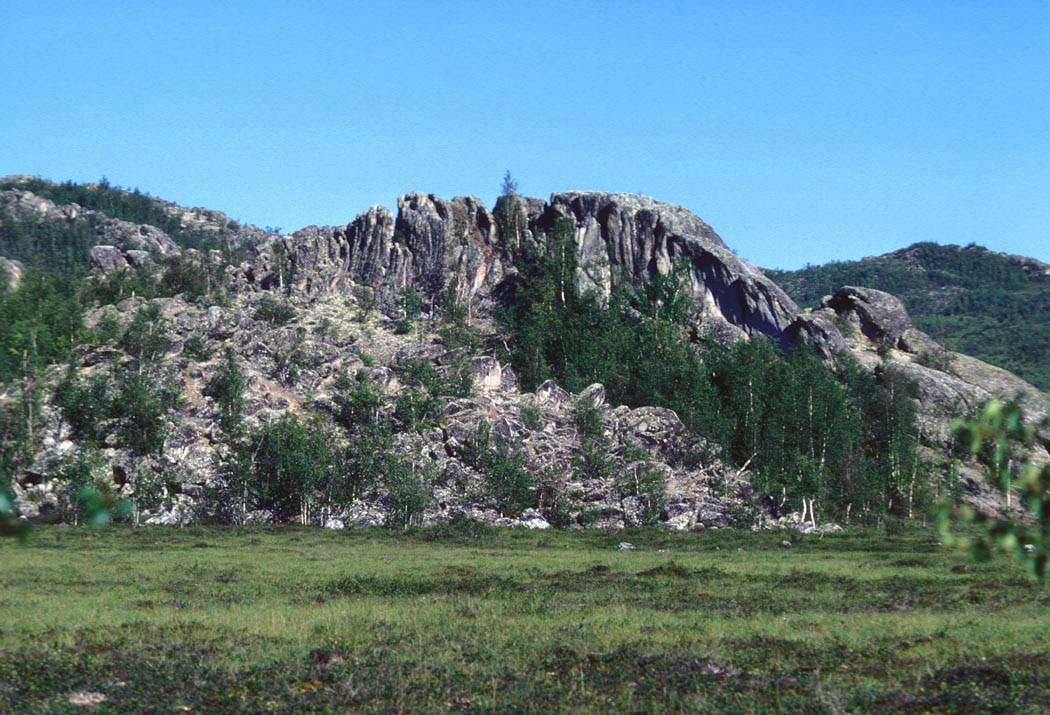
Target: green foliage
{"points": [[508, 480], [847, 440], [145, 338], [970, 299], [416, 409], [532, 417], [133, 206], [195, 348], [357, 402], [410, 305], [227, 387], [408, 492], [274, 311], [141, 407], [999, 435], [107, 329], [82, 471], [643, 480], [283, 464], [41, 322], [133, 407], [419, 406], [85, 405], [198, 278], [288, 357], [935, 359]]}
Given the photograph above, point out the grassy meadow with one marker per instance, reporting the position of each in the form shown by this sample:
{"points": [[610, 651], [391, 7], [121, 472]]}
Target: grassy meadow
{"points": [[480, 620]]}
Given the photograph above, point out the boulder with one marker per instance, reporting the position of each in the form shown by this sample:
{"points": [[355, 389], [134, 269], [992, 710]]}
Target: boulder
{"points": [[107, 259]]}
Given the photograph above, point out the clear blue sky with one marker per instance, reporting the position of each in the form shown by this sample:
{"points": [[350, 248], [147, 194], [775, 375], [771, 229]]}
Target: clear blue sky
{"points": [[803, 132]]}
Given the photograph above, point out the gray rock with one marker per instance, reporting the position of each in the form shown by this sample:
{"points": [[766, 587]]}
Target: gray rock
{"points": [[108, 259]]}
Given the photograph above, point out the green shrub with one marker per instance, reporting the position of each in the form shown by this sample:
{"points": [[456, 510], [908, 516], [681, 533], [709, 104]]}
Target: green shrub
{"points": [[643, 480], [195, 348], [408, 493], [357, 403], [142, 405], [145, 338], [283, 465], [86, 406], [107, 329], [532, 417], [271, 310], [227, 387], [288, 357], [508, 480]]}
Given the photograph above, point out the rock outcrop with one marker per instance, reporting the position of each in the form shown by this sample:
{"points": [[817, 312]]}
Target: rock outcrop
{"points": [[10, 274]]}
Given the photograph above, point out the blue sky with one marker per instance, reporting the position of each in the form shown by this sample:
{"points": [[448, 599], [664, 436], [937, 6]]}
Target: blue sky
{"points": [[802, 131]]}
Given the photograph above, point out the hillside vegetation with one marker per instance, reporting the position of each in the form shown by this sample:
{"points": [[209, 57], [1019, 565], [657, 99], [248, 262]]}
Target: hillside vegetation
{"points": [[989, 305]]}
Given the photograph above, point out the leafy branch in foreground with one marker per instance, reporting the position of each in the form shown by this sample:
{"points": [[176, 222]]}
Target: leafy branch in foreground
{"points": [[995, 436]]}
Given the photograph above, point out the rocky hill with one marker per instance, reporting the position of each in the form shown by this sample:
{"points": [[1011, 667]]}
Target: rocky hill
{"points": [[403, 310], [993, 306]]}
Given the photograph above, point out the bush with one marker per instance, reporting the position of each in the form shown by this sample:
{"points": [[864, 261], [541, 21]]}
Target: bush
{"points": [[357, 403], [532, 417], [996, 435], [408, 493], [273, 311], [141, 406], [508, 480], [288, 357], [935, 359], [146, 336], [196, 348], [643, 480], [283, 465], [86, 406], [226, 387]]}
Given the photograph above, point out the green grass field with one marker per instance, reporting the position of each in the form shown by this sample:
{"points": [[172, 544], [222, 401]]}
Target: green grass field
{"points": [[299, 620]]}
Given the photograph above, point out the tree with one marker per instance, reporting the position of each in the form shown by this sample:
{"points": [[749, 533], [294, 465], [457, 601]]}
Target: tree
{"points": [[509, 187], [285, 464], [226, 387], [997, 434]]}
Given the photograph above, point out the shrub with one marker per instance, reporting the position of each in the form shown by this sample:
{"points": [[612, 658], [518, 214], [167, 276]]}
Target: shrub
{"points": [[145, 338], [288, 357], [408, 493], [194, 276], [85, 405], [643, 480], [508, 480], [80, 471], [417, 409], [532, 417], [226, 387], [141, 406], [273, 311], [936, 359], [107, 329], [284, 463], [357, 403], [195, 348], [996, 434]]}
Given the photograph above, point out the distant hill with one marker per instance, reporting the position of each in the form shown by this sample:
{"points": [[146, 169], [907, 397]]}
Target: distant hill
{"points": [[993, 306]]}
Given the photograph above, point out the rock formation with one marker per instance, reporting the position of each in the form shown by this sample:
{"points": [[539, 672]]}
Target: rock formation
{"points": [[439, 245]]}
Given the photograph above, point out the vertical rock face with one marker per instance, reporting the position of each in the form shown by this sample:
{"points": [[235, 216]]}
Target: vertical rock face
{"points": [[451, 243], [627, 233], [433, 243]]}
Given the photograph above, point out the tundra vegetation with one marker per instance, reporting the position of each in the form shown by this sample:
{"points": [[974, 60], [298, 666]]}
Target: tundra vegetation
{"points": [[474, 618]]}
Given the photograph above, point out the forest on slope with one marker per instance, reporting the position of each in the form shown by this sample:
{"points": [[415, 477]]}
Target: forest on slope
{"points": [[993, 306]]}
